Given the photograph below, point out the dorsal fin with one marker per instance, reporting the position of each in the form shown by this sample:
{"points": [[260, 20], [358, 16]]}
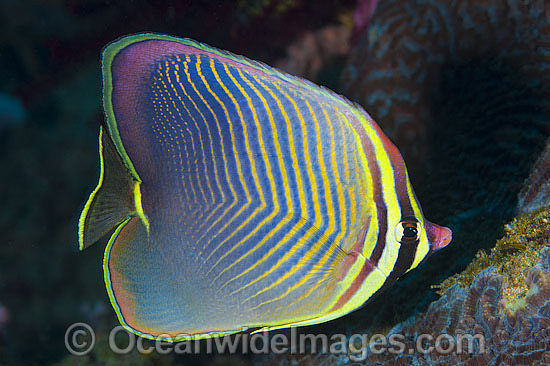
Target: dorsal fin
{"points": [[112, 201], [115, 47]]}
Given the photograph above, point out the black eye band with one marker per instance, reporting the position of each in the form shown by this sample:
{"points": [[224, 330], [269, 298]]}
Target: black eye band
{"points": [[408, 231]]}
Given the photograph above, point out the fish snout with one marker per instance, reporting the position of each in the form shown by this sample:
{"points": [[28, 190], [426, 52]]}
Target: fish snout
{"points": [[438, 236]]}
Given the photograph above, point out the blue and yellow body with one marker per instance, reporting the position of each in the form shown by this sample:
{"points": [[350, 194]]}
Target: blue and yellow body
{"points": [[242, 197]]}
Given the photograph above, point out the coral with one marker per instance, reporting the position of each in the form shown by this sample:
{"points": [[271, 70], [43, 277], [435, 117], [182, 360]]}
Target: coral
{"points": [[455, 73], [511, 338], [535, 192], [512, 256], [313, 51], [361, 17]]}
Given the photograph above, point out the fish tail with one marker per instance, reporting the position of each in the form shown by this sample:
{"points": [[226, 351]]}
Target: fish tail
{"points": [[116, 197]]}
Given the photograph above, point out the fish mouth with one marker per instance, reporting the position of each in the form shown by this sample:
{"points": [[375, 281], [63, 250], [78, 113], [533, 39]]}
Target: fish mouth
{"points": [[438, 236]]}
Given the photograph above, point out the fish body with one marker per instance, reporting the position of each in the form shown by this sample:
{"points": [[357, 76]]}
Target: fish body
{"points": [[242, 197]]}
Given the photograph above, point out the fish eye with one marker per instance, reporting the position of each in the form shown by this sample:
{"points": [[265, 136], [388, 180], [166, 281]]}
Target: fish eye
{"points": [[408, 230]]}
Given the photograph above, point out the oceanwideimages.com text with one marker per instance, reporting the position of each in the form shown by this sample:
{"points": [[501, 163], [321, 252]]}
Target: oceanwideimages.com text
{"points": [[80, 340]]}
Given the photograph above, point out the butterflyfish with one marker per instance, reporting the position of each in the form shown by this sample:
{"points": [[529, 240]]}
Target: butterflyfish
{"points": [[239, 197]]}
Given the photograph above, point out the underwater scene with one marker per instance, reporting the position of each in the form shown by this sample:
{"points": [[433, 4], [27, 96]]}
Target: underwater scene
{"points": [[275, 182]]}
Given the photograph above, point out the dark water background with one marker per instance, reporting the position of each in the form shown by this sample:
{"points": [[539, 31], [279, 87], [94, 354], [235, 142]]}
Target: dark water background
{"points": [[50, 92]]}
